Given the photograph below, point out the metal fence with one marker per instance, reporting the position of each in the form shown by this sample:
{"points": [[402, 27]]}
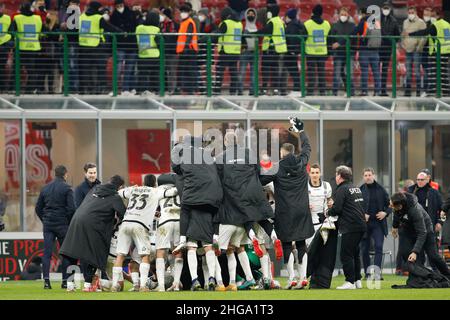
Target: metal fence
{"points": [[62, 66]]}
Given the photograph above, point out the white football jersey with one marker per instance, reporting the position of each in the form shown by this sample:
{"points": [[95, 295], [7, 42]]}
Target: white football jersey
{"points": [[170, 207], [142, 203], [318, 197]]}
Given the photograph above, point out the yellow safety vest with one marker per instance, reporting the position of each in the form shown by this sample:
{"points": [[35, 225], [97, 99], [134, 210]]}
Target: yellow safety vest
{"points": [[278, 36], [316, 43], [145, 36], [5, 22], [28, 28], [90, 31], [443, 36], [231, 41]]}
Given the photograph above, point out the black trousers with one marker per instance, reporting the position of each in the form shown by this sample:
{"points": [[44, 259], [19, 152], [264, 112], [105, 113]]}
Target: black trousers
{"points": [[187, 72], [287, 249], [429, 247], [350, 257], [5, 84], [291, 65], [316, 74], [51, 234], [92, 69], [148, 74], [30, 61], [385, 59], [230, 62], [272, 67]]}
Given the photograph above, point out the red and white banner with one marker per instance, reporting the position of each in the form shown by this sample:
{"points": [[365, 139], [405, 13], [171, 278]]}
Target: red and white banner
{"points": [[148, 152]]}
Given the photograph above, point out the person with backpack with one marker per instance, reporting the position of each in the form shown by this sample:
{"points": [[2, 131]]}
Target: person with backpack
{"points": [[369, 43]]}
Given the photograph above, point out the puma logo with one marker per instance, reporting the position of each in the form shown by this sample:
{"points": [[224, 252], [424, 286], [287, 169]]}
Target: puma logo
{"points": [[149, 158]]}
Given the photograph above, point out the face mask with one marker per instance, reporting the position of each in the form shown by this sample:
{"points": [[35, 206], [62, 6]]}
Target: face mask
{"points": [[360, 17], [433, 20], [121, 10], [106, 16], [411, 17], [386, 11], [161, 18], [184, 15], [251, 18], [426, 18], [269, 15], [202, 18], [343, 18], [287, 19]]}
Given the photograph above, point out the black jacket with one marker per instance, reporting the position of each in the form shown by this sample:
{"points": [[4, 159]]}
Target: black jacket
{"points": [[55, 205], [389, 27], [243, 197], [342, 29], [91, 229], [414, 221], [293, 221], [294, 29], [82, 190], [349, 207], [382, 203], [125, 21], [201, 183], [446, 226], [434, 204]]}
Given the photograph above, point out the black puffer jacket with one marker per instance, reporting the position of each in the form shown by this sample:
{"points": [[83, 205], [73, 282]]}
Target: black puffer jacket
{"points": [[389, 27], [127, 22], [414, 221], [293, 30]]}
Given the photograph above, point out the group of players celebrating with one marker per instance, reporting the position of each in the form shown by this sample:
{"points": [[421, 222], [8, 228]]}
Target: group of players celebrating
{"points": [[206, 211]]}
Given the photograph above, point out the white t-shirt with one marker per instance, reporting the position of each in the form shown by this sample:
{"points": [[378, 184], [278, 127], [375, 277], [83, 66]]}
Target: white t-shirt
{"points": [[169, 207], [318, 197], [142, 203]]}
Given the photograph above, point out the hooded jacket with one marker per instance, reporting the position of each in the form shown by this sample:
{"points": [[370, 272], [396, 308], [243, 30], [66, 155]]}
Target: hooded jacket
{"points": [[414, 221], [126, 21], [294, 28], [250, 27]]}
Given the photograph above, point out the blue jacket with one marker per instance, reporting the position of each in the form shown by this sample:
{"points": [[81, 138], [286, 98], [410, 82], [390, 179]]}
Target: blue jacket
{"points": [[434, 205], [382, 201], [82, 190], [55, 206]]}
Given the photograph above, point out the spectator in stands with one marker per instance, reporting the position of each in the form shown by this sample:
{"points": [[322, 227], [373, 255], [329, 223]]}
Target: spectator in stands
{"points": [[239, 6], [187, 50], [168, 26], [229, 48], [149, 52], [38, 8], [274, 49], [5, 47], [389, 27], [342, 30], [70, 26], [294, 28], [413, 48], [316, 50], [248, 49], [124, 19], [207, 25], [436, 33], [428, 15], [29, 46], [368, 46], [92, 62]]}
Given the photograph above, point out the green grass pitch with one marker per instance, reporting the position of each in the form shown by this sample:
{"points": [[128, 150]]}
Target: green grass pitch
{"points": [[33, 290]]}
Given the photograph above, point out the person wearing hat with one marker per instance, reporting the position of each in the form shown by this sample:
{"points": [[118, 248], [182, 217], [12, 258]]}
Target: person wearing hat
{"points": [[389, 28], [91, 41], [187, 50], [124, 19], [294, 28], [229, 47], [5, 47], [206, 25], [248, 49], [316, 50]]}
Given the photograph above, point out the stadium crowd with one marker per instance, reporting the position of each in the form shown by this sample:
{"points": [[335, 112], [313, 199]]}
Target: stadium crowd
{"points": [[212, 224], [181, 35]]}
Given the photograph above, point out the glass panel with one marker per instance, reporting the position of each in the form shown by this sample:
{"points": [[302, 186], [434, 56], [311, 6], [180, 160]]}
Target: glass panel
{"points": [[362, 105], [6, 106], [185, 104], [133, 148], [357, 144], [123, 104], [10, 183], [48, 103], [415, 105], [331, 105], [49, 143], [275, 104], [419, 145], [242, 102]]}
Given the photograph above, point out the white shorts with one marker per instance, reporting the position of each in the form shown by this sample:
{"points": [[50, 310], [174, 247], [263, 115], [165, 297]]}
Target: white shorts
{"points": [[131, 232], [168, 235], [263, 237], [231, 235]]}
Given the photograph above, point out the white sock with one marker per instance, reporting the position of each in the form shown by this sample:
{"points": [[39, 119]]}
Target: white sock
{"points": [[211, 262], [302, 268], [273, 235], [265, 265], [70, 285], [87, 285], [252, 234], [105, 283], [144, 268], [134, 278], [219, 279], [178, 269], [182, 239], [121, 276], [205, 269], [290, 267], [245, 263], [192, 262], [232, 264], [160, 272], [117, 271]]}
